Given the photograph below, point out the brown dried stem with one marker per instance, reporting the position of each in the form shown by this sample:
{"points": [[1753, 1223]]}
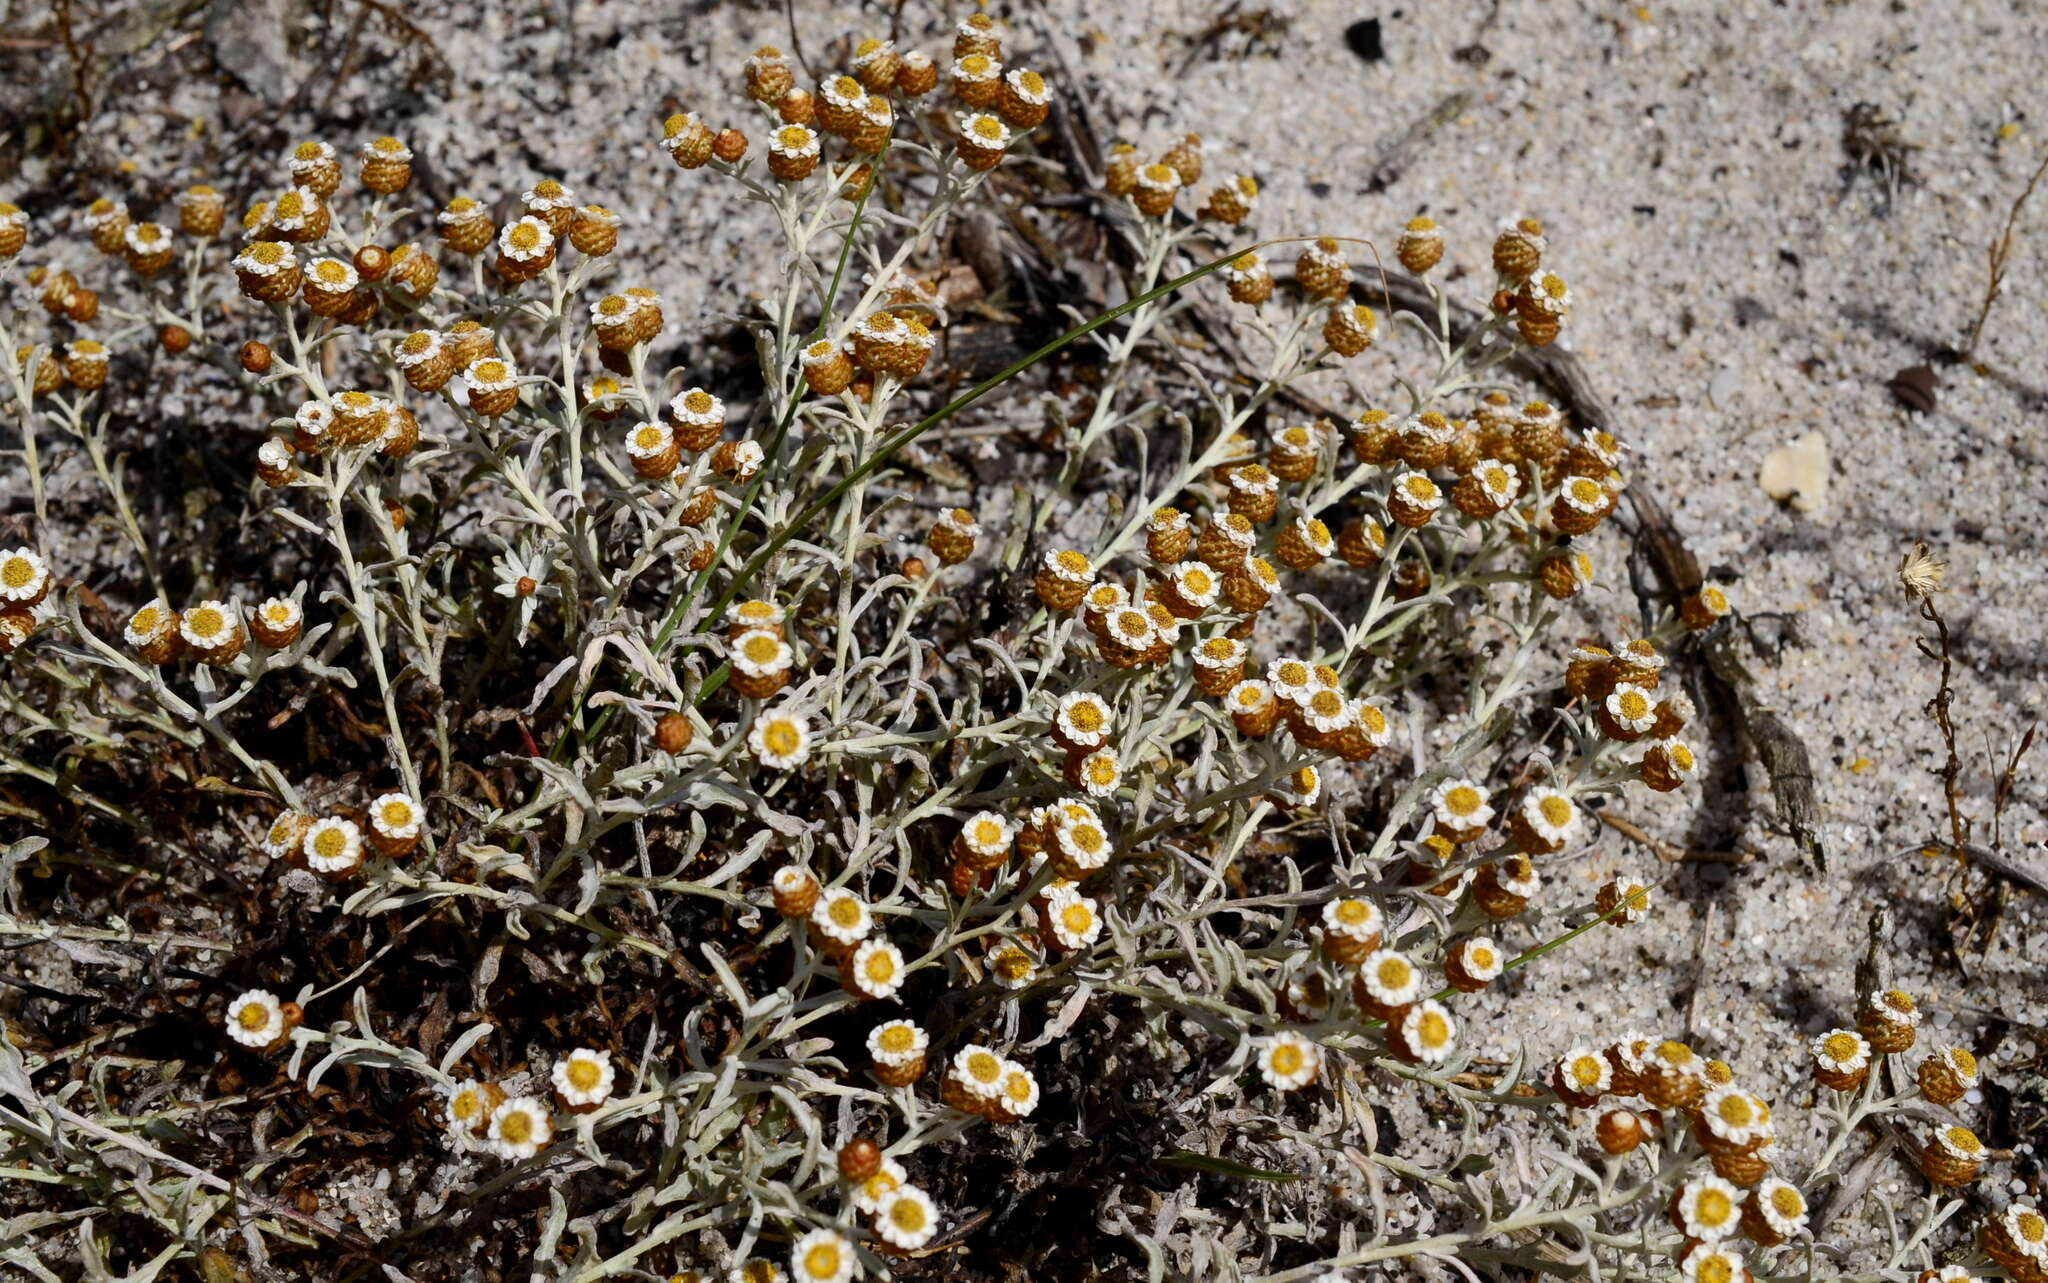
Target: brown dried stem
{"points": [[1939, 708], [2000, 254]]}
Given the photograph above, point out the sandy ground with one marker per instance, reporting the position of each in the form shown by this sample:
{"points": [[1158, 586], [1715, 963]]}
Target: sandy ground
{"points": [[1739, 283]]}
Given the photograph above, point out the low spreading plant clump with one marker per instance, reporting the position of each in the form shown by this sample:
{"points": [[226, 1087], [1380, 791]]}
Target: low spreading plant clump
{"points": [[600, 820]]}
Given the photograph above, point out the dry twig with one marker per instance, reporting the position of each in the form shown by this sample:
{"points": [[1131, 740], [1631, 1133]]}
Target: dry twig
{"points": [[1999, 253]]}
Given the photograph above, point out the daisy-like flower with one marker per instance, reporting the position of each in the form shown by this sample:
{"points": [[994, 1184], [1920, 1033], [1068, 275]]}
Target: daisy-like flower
{"points": [[1426, 1034], [1461, 808], [842, 917], [1707, 1208], [1099, 773], [270, 263], [793, 152], [822, 1256], [1894, 1007], [333, 846], [1019, 1097], [296, 210], [1324, 714], [1288, 1061], [313, 161], [1414, 499], [1291, 679], [1582, 1076], [281, 840], [256, 1019], [488, 386], [870, 1194], [1628, 712], [2025, 1229], [1247, 269], [985, 839], [1948, 1075], [24, 577], [758, 1270], [278, 621], [1627, 901], [1580, 503], [1300, 788], [780, 739], [897, 1043], [1082, 721], [1389, 979], [1076, 811], [1073, 918], [527, 240], [1734, 1118], [649, 442], [1103, 600], [697, 413], [876, 969], [983, 138], [1218, 659], [1713, 1263], [153, 625], [1132, 629], [1192, 588], [1013, 966], [547, 198], [1841, 1058], [1546, 292], [1549, 817], [1952, 1156], [761, 663], [1355, 922], [1500, 482], [583, 1078], [750, 616], [469, 1108], [978, 1071], [1373, 722], [1627, 1054], [520, 1128], [210, 625], [907, 1219], [1081, 842], [394, 821], [1778, 1205], [1473, 963]]}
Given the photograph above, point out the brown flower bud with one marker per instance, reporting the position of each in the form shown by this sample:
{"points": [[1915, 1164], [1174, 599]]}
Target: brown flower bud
{"points": [[859, 1159], [673, 733]]}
